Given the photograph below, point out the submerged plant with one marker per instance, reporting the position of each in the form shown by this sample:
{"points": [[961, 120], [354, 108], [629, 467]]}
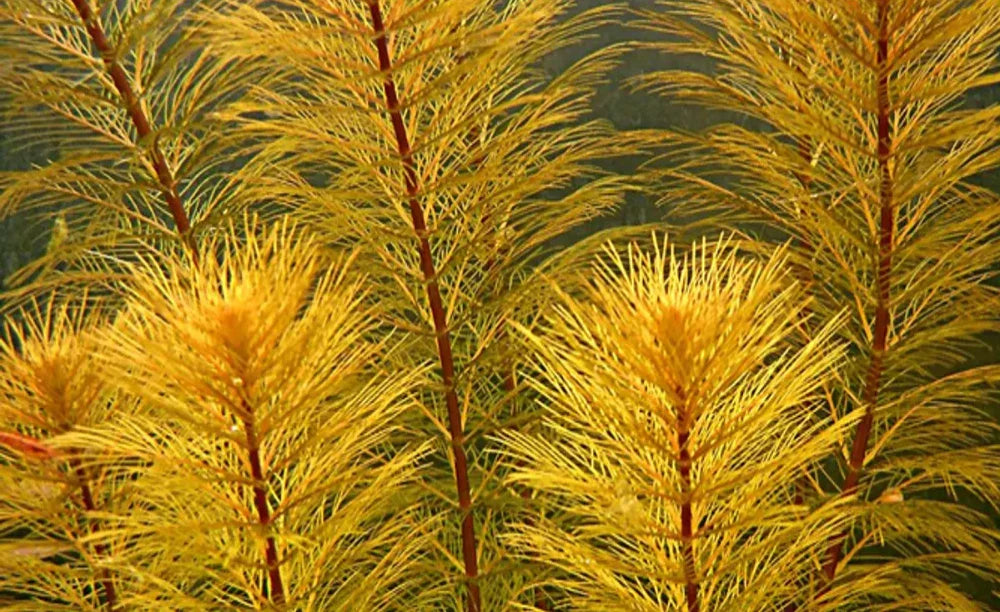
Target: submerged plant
{"points": [[424, 133], [673, 433], [261, 458], [55, 499], [866, 165], [271, 424]]}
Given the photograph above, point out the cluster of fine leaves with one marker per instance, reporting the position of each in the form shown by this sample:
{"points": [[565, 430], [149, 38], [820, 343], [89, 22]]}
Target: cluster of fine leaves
{"points": [[866, 165], [199, 410], [119, 96], [240, 455], [674, 428], [425, 134], [51, 503]]}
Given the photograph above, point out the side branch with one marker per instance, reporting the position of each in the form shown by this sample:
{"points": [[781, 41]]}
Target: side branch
{"points": [[163, 173], [469, 556]]}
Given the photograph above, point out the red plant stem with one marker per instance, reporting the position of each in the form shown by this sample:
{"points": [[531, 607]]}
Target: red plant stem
{"points": [[110, 595], [277, 590], [139, 120], [687, 531], [27, 445], [874, 375], [469, 555]]}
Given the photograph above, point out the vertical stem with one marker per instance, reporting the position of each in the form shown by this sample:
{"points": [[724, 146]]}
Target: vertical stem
{"points": [[277, 590], [455, 426], [685, 423], [110, 595], [142, 126], [687, 527], [873, 377]]}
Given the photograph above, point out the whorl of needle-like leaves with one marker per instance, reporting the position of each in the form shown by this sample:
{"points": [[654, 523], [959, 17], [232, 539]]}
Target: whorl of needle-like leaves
{"points": [[53, 502], [112, 104], [263, 456], [868, 162], [673, 433]]}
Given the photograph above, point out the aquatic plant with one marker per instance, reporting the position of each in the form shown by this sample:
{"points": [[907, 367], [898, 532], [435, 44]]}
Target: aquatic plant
{"points": [[865, 164], [300, 338]]}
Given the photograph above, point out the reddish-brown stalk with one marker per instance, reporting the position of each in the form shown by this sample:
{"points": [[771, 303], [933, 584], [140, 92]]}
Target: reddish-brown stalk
{"points": [[28, 445], [110, 595], [469, 556], [277, 589], [684, 425], [142, 126], [37, 450], [873, 377]]}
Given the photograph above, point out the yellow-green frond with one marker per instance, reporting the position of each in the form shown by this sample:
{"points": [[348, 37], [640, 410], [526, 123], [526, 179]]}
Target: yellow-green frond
{"points": [[675, 424], [265, 460]]}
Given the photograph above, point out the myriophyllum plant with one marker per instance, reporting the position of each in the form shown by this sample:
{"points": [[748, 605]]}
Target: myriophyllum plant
{"points": [[117, 97], [54, 500], [672, 434], [426, 133], [866, 162], [265, 428], [259, 456]]}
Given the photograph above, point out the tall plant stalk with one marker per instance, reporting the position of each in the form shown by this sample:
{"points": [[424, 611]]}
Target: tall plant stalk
{"points": [[133, 107], [87, 498], [447, 360], [52, 380], [887, 207], [126, 94], [276, 590]]}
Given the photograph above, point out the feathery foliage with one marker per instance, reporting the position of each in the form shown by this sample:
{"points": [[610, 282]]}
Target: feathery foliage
{"points": [[54, 499], [423, 132], [124, 93], [673, 434], [453, 416], [865, 165], [260, 458]]}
